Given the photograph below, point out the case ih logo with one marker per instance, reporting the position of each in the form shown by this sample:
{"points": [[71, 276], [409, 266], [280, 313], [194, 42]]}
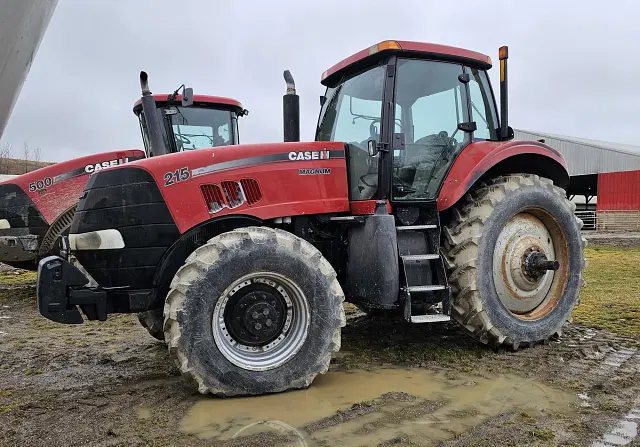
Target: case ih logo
{"points": [[105, 164], [309, 155]]}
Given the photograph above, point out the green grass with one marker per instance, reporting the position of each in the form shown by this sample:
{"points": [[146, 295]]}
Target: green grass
{"points": [[611, 299], [8, 408], [543, 434], [24, 278]]}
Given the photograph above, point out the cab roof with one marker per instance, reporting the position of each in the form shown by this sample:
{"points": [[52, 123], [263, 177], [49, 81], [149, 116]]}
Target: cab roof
{"points": [[429, 50], [213, 100]]}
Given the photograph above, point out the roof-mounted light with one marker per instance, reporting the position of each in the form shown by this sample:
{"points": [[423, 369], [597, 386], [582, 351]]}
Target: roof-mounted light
{"points": [[386, 45]]}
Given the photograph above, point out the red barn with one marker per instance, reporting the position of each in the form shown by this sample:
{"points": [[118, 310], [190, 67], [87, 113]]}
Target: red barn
{"points": [[606, 174]]}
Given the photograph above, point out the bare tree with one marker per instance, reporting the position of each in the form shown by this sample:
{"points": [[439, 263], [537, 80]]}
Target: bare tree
{"points": [[5, 155], [27, 152], [37, 156]]}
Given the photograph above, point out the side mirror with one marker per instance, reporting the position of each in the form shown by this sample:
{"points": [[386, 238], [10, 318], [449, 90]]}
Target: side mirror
{"points": [[372, 148], [187, 97], [470, 126]]}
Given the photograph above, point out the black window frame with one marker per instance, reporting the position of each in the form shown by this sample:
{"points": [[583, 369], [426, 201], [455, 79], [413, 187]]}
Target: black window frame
{"points": [[167, 129], [492, 102], [385, 168], [389, 64]]}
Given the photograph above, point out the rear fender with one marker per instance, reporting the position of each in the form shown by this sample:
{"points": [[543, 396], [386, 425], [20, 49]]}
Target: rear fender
{"points": [[487, 159]]}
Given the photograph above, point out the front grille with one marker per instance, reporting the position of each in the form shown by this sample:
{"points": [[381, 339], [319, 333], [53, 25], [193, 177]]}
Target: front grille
{"points": [[126, 199]]}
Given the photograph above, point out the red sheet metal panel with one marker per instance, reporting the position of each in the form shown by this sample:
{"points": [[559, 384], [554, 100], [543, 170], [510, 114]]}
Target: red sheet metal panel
{"points": [[619, 191]]}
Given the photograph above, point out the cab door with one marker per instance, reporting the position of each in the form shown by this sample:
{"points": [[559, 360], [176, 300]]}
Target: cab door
{"points": [[432, 101]]}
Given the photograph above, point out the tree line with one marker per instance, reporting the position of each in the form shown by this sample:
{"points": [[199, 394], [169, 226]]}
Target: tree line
{"points": [[20, 162]]}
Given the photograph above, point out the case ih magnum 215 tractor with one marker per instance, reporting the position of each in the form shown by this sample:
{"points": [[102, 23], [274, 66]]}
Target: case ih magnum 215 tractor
{"points": [[38, 207], [412, 198]]}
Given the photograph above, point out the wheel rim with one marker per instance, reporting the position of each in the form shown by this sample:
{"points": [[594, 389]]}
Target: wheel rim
{"points": [[261, 321], [531, 236]]}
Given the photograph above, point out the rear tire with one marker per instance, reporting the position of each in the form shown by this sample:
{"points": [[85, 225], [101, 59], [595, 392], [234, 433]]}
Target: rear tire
{"points": [[153, 322], [495, 298], [254, 278]]}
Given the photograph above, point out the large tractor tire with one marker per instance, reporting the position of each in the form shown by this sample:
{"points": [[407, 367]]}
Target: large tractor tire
{"points": [[153, 322], [502, 247], [254, 311]]}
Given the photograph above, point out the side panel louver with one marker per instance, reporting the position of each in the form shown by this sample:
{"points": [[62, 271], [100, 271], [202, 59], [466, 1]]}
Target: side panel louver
{"points": [[231, 194], [213, 197], [251, 190]]}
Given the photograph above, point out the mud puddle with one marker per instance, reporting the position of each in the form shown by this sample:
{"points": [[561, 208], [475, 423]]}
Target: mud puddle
{"points": [[390, 404]]}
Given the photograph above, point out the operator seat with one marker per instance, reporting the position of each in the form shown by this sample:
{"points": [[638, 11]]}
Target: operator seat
{"points": [[422, 156]]}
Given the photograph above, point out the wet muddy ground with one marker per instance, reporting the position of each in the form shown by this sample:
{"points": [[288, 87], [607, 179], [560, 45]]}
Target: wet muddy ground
{"points": [[111, 384]]}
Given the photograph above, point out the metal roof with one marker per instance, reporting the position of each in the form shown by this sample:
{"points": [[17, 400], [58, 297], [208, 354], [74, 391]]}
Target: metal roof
{"points": [[586, 156]]}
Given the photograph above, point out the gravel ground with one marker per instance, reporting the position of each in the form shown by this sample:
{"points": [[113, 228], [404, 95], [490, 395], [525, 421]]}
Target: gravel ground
{"points": [[111, 384], [618, 240]]}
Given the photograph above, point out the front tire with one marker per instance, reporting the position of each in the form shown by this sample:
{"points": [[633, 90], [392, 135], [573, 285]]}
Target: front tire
{"points": [[497, 297], [254, 311]]}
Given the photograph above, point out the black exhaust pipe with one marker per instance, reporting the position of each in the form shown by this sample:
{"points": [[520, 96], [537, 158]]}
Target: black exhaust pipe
{"points": [[154, 126], [503, 55], [291, 110]]}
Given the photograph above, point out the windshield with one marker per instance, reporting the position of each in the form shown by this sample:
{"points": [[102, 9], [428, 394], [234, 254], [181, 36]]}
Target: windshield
{"points": [[199, 127]]}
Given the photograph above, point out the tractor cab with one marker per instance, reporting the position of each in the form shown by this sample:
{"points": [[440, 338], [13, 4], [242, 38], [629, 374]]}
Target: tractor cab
{"points": [[441, 103], [185, 122]]}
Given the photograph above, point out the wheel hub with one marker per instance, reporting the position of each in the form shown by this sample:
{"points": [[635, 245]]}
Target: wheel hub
{"points": [[259, 316], [261, 321], [523, 263]]}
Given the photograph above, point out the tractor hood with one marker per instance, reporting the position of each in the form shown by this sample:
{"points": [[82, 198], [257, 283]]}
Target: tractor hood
{"points": [[49, 191], [261, 180]]}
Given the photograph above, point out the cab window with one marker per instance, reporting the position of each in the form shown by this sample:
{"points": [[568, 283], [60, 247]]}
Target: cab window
{"points": [[432, 101], [483, 110]]}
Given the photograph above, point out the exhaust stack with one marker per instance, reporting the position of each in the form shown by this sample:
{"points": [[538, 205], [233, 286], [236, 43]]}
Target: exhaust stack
{"points": [[154, 126], [291, 110], [503, 55]]}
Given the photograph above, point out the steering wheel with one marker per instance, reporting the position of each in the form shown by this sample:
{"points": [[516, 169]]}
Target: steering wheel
{"points": [[373, 133], [183, 139], [442, 136]]}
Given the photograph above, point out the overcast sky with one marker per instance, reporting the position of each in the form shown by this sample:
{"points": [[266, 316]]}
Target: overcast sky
{"points": [[573, 64]]}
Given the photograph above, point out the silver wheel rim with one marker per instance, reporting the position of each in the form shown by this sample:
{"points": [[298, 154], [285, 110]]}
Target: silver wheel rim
{"points": [[519, 292], [288, 341]]}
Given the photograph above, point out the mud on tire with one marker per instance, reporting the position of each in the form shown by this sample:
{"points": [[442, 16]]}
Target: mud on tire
{"points": [[478, 268], [153, 322], [207, 283]]}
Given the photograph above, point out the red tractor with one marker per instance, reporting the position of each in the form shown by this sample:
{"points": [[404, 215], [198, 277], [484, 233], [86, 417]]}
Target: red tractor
{"points": [[37, 208], [414, 198]]}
